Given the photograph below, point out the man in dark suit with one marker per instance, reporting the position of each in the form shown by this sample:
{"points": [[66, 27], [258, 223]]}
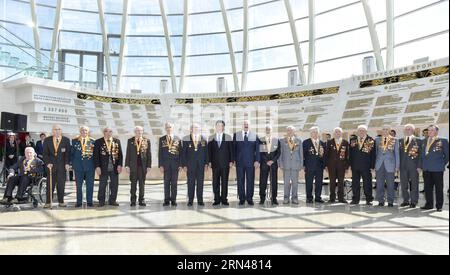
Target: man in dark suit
{"points": [[40, 146], [25, 144], [435, 156], [108, 160], [362, 162], [221, 158], [337, 162], [169, 163], [270, 150], [27, 168], [56, 154], [246, 151], [138, 162], [82, 159], [195, 162], [410, 166], [313, 152], [12, 151]]}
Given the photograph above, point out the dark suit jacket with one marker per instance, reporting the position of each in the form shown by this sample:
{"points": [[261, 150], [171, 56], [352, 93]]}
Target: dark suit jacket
{"points": [[337, 159], [412, 158], [63, 153], [190, 156], [364, 158], [166, 155], [437, 159], [220, 157], [36, 167], [131, 158], [102, 156], [246, 152], [314, 161], [273, 155], [39, 148], [80, 162], [11, 150]]}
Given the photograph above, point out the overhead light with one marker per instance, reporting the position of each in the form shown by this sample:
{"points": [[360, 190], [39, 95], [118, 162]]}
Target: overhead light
{"points": [[30, 24]]}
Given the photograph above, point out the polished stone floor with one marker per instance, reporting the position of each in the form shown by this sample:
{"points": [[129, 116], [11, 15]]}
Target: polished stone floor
{"points": [[303, 229]]}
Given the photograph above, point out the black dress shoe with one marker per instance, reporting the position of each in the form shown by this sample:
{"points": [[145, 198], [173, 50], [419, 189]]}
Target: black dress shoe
{"points": [[101, 204], [262, 202], [332, 201], [309, 201], [390, 205], [174, 204], [369, 203], [78, 205], [439, 210], [90, 205], [115, 204], [201, 204], [241, 203], [216, 204], [225, 203], [251, 203], [426, 208], [166, 204], [275, 202], [190, 204], [133, 204], [343, 201], [405, 204], [412, 205], [354, 203], [142, 204], [381, 204], [320, 201]]}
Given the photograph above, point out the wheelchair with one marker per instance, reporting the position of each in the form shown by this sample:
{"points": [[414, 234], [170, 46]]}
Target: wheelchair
{"points": [[35, 194]]}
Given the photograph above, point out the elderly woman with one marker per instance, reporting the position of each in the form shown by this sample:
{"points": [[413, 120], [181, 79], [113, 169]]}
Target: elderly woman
{"points": [[26, 168]]}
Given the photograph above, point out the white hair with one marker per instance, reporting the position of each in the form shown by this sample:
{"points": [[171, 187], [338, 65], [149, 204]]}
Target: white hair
{"points": [[363, 127], [140, 128], [168, 124], [85, 128], [107, 128], [268, 127], [410, 126], [30, 149], [338, 129], [291, 128], [315, 128]]}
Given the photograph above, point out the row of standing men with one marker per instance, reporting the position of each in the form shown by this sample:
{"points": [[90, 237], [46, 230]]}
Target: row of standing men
{"points": [[384, 156]]}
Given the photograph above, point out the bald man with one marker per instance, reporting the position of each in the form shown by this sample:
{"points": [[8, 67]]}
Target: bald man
{"points": [[56, 155]]}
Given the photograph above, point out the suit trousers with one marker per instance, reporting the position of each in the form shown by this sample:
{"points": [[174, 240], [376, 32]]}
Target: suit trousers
{"points": [[170, 183], [265, 172], [337, 177], [434, 181], [314, 179], [409, 179], [366, 176], [59, 177], [246, 183], [291, 184], [87, 177], [113, 187], [220, 184], [22, 182], [196, 178], [138, 178], [385, 178]]}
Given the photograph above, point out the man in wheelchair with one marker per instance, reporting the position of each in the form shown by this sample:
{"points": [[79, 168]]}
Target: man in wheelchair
{"points": [[22, 175]]}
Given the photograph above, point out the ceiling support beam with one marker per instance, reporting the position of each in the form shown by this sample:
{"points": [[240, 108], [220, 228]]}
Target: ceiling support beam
{"points": [[101, 14], [373, 35], [169, 46], [55, 38]]}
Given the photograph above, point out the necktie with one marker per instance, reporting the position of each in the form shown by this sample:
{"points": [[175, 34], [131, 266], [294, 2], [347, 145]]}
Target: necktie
{"points": [[407, 140], [219, 140], [246, 136]]}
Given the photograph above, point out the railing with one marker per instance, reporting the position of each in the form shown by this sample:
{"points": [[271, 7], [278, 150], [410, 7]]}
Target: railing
{"points": [[18, 58]]}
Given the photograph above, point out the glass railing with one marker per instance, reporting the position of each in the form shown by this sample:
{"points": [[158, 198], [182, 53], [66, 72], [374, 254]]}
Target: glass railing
{"points": [[18, 58]]}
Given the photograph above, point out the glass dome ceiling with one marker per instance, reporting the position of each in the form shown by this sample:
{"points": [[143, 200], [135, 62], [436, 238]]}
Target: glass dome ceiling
{"points": [[253, 44]]}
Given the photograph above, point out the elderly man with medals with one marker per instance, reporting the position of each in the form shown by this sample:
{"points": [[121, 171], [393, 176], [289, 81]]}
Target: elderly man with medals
{"points": [[82, 161], [26, 168], [169, 163], [138, 162]]}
